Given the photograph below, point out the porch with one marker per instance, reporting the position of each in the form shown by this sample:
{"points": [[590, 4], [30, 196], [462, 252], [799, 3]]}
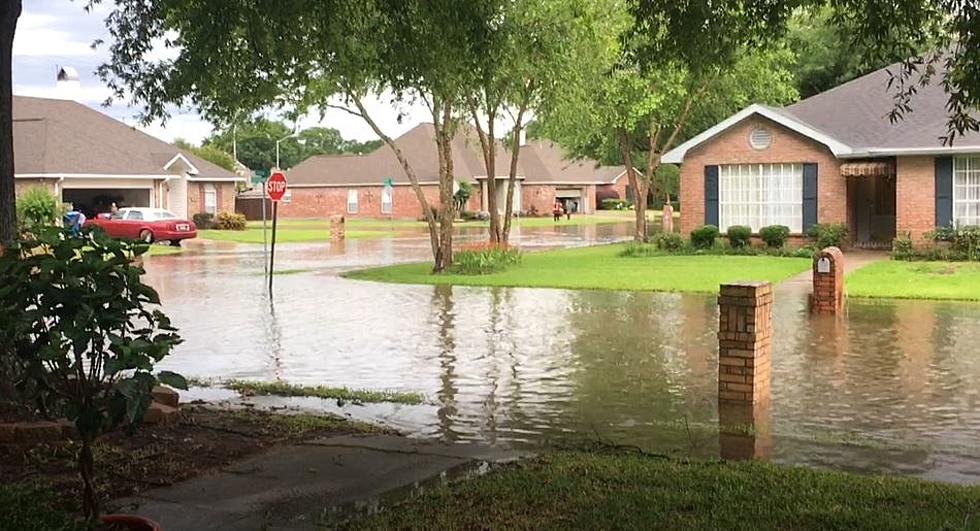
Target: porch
{"points": [[871, 202]]}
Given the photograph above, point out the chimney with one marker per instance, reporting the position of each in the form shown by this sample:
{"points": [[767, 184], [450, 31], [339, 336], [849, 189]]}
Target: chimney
{"points": [[69, 83]]}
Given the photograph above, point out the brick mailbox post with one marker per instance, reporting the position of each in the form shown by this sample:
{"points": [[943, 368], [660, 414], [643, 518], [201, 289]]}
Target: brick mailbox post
{"points": [[744, 341], [337, 231], [828, 281]]}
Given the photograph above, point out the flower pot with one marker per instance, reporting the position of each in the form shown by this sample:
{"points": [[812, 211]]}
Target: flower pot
{"points": [[130, 522]]}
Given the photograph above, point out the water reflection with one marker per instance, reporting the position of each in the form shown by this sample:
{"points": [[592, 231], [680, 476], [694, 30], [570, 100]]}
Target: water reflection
{"points": [[889, 386]]}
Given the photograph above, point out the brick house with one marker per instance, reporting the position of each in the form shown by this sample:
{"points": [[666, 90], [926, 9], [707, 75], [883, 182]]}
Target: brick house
{"points": [[353, 185], [92, 160], [833, 158]]}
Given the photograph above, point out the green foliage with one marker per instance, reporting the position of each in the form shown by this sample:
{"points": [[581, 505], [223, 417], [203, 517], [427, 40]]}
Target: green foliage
{"points": [[341, 394], [704, 236], [614, 204], [462, 195], [966, 240], [230, 221], [640, 250], [203, 220], [824, 235], [774, 236], [739, 236], [33, 507], [902, 248], [86, 331], [468, 215], [210, 153], [484, 259], [38, 207], [669, 241]]}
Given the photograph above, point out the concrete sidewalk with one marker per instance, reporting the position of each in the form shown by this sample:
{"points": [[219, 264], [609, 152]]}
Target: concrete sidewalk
{"points": [[293, 487], [853, 260]]}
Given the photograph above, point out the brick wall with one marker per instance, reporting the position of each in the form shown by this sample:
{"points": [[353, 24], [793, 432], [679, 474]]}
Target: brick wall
{"points": [[538, 199], [225, 193], [915, 196], [326, 201], [618, 187], [732, 147]]}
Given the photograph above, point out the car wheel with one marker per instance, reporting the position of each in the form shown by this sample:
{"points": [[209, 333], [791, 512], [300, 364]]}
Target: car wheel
{"points": [[146, 236], [175, 243]]}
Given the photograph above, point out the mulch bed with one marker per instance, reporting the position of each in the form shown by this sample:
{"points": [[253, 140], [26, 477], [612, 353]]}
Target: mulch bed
{"points": [[159, 455]]}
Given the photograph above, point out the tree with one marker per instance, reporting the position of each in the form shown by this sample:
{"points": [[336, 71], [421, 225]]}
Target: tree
{"points": [[209, 153], [254, 141], [9, 13], [640, 107], [534, 47]]}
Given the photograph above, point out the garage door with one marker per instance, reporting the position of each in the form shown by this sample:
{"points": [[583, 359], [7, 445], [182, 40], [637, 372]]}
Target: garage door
{"points": [[568, 193], [92, 201]]}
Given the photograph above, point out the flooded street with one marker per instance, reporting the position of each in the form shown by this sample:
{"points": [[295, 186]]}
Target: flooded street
{"points": [[892, 387]]}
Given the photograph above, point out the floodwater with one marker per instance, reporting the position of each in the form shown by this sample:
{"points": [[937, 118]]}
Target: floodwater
{"points": [[891, 386]]}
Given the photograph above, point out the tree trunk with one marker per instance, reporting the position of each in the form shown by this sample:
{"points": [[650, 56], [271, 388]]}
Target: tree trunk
{"points": [[639, 188], [515, 153], [9, 13], [488, 146], [447, 211], [86, 468]]}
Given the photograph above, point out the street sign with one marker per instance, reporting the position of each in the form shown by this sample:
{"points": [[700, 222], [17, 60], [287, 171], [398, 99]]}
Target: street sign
{"points": [[276, 186], [258, 178], [388, 182]]}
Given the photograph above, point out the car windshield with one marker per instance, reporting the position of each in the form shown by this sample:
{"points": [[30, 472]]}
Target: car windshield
{"points": [[163, 214]]}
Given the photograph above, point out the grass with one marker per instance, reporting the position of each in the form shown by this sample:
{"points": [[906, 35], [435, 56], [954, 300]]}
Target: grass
{"points": [[283, 235], [600, 267], [163, 250], [916, 280], [619, 490], [339, 393]]}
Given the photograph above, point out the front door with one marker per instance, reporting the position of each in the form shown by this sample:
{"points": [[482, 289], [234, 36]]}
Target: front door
{"points": [[871, 211]]}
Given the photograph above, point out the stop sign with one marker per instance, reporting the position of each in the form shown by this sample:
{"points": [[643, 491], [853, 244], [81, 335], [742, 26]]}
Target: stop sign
{"points": [[276, 186]]}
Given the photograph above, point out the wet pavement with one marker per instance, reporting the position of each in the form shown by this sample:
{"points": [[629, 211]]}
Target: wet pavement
{"points": [[892, 386]]}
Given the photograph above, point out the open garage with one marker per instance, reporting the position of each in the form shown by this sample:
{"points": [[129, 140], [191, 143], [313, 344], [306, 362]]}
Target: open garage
{"points": [[92, 201]]}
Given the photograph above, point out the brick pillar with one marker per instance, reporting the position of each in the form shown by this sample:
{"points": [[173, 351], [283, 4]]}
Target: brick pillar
{"points": [[744, 341], [337, 228], [828, 281], [743, 430]]}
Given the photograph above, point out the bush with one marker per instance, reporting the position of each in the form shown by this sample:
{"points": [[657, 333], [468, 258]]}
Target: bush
{"points": [[230, 221], [639, 250], [670, 242], [739, 236], [203, 220], [76, 311], [485, 258], [468, 215], [614, 204], [774, 236], [704, 236], [902, 248], [38, 207], [966, 240], [825, 235]]}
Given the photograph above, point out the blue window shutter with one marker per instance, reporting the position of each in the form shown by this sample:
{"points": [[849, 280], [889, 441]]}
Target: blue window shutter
{"points": [[944, 191], [711, 195], [809, 195]]}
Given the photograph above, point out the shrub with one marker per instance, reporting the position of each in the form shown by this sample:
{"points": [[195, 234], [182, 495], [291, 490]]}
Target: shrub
{"points": [[468, 215], [739, 236], [704, 236], [827, 234], [774, 236], [902, 248], [639, 250], [38, 207], [614, 204], [203, 220], [230, 221], [966, 240], [484, 258], [89, 332], [669, 241]]}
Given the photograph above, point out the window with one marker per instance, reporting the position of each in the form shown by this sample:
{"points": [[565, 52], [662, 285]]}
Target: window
{"points": [[760, 138], [352, 201], [134, 214], [386, 200], [758, 195], [210, 199], [966, 191]]}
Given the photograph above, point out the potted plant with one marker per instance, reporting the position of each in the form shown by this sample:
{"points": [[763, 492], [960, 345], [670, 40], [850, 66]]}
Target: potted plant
{"points": [[86, 334]]}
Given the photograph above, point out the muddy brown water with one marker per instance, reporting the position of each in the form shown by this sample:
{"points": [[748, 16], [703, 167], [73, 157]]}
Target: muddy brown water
{"points": [[893, 386]]}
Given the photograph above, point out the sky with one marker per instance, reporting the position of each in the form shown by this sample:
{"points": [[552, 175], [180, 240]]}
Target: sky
{"points": [[57, 33]]}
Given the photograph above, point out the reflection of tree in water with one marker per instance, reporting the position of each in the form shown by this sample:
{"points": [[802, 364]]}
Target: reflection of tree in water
{"points": [[633, 371], [443, 304]]}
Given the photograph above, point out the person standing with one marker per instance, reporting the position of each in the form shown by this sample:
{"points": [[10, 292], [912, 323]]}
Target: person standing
{"points": [[557, 210]]}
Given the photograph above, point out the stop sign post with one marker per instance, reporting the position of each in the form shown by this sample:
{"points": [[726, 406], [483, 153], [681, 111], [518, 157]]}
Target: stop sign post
{"points": [[275, 188]]}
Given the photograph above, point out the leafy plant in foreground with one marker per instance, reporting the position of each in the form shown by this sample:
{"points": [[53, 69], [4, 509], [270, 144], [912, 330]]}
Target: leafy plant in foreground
{"points": [[82, 324]]}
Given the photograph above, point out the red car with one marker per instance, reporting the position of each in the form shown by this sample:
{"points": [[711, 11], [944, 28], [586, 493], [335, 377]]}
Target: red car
{"points": [[147, 224]]}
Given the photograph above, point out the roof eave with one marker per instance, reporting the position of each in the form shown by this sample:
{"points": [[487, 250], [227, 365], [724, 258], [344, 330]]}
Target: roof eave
{"points": [[676, 155]]}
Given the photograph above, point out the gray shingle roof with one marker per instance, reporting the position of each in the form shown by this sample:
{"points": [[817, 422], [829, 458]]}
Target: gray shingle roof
{"points": [[541, 161], [66, 137]]}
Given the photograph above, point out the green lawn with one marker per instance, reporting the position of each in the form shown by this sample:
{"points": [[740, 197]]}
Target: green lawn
{"points": [[283, 235], [613, 490], [600, 268], [916, 280], [163, 250]]}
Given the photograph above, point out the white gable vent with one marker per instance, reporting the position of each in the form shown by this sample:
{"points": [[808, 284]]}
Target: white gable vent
{"points": [[760, 138]]}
